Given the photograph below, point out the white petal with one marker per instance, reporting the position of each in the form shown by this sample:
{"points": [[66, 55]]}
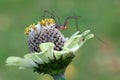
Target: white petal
{"points": [[89, 36], [75, 34], [34, 57], [59, 53], [47, 48], [85, 32], [21, 62]]}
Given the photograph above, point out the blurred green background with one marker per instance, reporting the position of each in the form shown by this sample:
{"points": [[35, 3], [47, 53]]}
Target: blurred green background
{"points": [[96, 60]]}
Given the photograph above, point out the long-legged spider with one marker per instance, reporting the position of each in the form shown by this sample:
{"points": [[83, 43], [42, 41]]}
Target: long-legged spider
{"points": [[60, 26]]}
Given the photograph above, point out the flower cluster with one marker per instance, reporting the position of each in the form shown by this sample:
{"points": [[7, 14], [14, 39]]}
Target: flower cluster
{"points": [[50, 51]]}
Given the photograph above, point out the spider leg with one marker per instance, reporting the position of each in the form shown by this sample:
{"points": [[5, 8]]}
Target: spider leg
{"points": [[57, 18], [42, 17], [47, 14], [71, 17], [52, 15]]}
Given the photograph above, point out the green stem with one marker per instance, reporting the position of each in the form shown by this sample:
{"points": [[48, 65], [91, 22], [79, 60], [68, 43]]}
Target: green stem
{"points": [[59, 77]]}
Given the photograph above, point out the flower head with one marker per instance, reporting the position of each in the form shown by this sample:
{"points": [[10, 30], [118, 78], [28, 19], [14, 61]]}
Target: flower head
{"points": [[51, 51], [44, 31]]}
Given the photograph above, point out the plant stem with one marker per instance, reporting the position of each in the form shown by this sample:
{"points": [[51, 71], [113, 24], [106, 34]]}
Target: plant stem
{"points": [[59, 77]]}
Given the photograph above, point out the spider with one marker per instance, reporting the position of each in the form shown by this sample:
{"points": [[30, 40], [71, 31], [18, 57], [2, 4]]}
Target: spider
{"points": [[64, 26], [60, 26]]}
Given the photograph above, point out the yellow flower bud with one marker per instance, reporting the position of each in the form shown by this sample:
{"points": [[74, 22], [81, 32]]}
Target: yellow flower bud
{"points": [[43, 22], [27, 30], [51, 21]]}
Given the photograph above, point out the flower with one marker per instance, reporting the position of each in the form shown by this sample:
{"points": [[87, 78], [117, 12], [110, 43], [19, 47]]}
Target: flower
{"points": [[44, 31], [50, 52]]}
